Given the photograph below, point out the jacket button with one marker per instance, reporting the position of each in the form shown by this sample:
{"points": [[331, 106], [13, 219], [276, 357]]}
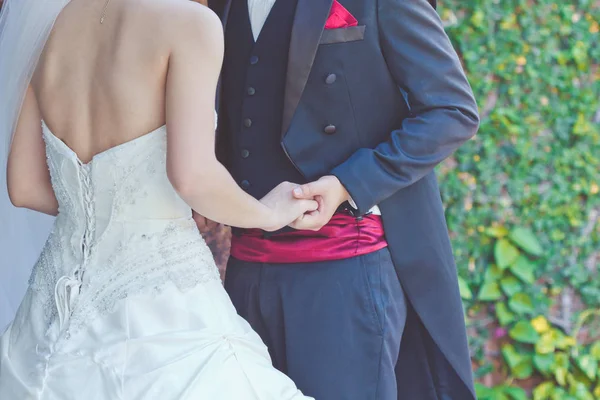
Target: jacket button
{"points": [[251, 91], [330, 79], [253, 60], [247, 122], [245, 153], [245, 185], [330, 129]]}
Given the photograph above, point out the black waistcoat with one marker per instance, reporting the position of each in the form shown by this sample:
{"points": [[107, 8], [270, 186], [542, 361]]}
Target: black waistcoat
{"points": [[254, 76]]}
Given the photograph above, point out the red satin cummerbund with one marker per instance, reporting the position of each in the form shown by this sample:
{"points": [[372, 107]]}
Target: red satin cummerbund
{"points": [[344, 236]]}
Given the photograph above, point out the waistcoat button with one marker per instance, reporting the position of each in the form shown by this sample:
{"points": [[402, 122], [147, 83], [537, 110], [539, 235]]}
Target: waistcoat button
{"points": [[330, 129], [331, 78]]}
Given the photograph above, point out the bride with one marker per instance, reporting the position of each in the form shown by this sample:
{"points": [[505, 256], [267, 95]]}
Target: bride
{"points": [[125, 301]]}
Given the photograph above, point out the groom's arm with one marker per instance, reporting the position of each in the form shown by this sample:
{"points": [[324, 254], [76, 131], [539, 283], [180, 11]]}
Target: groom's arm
{"points": [[443, 115], [443, 110]]}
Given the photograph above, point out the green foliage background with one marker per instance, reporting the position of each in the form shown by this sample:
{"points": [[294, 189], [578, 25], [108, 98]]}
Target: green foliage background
{"points": [[523, 198]]}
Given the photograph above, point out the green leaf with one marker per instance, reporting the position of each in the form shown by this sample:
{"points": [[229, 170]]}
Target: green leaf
{"points": [[504, 315], [483, 392], [521, 303], [562, 341], [496, 231], [523, 269], [546, 344], [490, 292], [516, 393], [499, 394], [505, 253], [588, 365], [543, 391], [578, 382], [465, 291], [511, 356], [595, 350], [560, 394], [523, 370], [510, 285], [492, 274], [561, 360], [560, 374], [526, 240], [544, 363], [580, 390], [524, 332]]}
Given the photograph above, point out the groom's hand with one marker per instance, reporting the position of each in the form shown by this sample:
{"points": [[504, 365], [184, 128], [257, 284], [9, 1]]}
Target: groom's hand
{"points": [[329, 193], [204, 224]]}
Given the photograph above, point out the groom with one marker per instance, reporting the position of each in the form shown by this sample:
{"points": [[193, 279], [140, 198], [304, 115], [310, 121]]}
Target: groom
{"points": [[358, 100]]}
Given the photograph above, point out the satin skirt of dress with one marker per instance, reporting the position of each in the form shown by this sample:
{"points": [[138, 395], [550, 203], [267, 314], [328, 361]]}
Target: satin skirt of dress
{"points": [[169, 346]]}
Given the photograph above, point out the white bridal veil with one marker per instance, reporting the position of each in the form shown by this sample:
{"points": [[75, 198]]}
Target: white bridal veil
{"points": [[24, 29]]}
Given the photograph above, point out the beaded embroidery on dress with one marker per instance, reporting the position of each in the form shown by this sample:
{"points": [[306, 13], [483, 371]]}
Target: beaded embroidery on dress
{"points": [[126, 296]]}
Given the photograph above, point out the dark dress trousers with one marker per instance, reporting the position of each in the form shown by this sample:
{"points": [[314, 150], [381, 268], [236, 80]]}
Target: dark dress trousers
{"points": [[379, 105]]}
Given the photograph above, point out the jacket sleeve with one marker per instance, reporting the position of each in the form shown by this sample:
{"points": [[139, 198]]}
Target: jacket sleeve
{"points": [[217, 6], [443, 111]]}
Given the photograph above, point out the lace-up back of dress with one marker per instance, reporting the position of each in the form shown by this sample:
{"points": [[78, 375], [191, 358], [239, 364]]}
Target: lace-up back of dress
{"points": [[127, 183], [122, 229]]}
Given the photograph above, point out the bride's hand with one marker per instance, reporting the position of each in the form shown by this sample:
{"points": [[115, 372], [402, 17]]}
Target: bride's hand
{"points": [[285, 208]]}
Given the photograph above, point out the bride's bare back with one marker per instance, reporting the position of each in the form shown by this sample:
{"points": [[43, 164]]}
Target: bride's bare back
{"points": [[96, 86], [99, 85]]}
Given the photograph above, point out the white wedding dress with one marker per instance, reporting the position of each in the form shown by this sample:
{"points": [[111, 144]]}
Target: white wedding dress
{"points": [[126, 301]]}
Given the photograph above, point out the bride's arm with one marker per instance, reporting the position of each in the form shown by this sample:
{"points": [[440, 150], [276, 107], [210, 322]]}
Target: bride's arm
{"points": [[27, 175], [193, 169]]}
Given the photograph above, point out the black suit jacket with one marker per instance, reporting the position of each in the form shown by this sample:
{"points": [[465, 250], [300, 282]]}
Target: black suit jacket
{"points": [[400, 105]]}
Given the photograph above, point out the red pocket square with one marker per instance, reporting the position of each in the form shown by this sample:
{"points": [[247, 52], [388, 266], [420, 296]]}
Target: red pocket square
{"points": [[339, 17]]}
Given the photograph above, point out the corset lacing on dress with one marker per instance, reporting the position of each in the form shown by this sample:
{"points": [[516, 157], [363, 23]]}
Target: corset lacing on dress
{"points": [[69, 287]]}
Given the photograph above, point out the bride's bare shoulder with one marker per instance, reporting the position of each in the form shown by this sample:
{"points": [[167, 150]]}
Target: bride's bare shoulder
{"points": [[183, 17]]}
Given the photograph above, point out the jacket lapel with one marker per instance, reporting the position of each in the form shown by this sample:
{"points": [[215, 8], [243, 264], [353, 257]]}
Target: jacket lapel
{"points": [[224, 14], [309, 22]]}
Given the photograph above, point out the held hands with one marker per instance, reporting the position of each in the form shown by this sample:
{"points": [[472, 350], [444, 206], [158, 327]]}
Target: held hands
{"points": [[285, 208], [329, 193]]}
